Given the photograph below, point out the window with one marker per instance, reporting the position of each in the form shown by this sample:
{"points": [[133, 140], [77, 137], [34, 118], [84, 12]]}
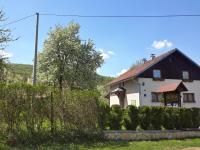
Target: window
{"points": [[133, 102], [188, 97], [185, 75], [156, 97], [157, 74]]}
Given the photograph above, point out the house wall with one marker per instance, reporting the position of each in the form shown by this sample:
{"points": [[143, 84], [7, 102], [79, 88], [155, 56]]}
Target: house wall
{"points": [[147, 85], [132, 93]]}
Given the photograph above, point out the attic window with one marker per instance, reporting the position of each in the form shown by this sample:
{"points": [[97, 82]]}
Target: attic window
{"points": [[156, 74], [185, 75]]}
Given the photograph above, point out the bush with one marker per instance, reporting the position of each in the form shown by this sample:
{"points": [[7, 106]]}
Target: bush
{"points": [[131, 119], [176, 116], [144, 117], [185, 118], [156, 117], [116, 117], [169, 118], [104, 111], [195, 117], [41, 110]]}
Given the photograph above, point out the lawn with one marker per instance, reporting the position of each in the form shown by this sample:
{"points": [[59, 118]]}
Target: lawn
{"points": [[143, 145]]}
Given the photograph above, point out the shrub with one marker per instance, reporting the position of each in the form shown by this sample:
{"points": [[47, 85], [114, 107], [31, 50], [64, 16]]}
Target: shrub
{"points": [[176, 116], [27, 110], [144, 117], [116, 117], [131, 119], [185, 117], [104, 111], [156, 117], [169, 118], [195, 117]]}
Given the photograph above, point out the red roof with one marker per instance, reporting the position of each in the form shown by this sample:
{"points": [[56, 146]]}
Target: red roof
{"points": [[132, 73], [171, 87]]}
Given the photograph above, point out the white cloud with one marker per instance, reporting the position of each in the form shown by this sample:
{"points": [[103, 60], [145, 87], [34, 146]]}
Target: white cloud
{"points": [[162, 44], [121, 72], [111, 53], [4, 54], [105, 54]]}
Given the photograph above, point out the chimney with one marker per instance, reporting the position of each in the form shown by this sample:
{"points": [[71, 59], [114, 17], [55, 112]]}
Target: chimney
{"points": [[144, 60], [153, 56]]}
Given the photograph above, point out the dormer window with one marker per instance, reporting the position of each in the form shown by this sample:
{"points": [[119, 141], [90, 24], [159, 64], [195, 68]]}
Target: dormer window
{"points": [[156, 74], [185, 75]]}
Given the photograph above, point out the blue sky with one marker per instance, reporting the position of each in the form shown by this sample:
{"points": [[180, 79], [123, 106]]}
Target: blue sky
{"points": [[122, 41]]}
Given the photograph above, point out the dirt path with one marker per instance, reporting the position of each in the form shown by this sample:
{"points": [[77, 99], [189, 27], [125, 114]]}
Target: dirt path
{"points": [[192, 148]]}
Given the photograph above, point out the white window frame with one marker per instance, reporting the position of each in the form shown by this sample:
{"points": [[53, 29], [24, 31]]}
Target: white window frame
{"points": [[157, 74], [133, 102], [185, 75]]}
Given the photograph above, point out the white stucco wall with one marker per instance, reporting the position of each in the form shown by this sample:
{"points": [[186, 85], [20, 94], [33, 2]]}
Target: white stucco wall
{"points": [[151, 86], [132, 93], [193, 87]]}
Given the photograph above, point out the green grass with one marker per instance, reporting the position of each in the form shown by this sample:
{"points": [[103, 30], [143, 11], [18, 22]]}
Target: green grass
{"points": [[142, 145]]}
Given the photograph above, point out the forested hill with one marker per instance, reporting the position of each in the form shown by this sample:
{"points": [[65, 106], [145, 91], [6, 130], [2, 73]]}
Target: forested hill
{"points": [[22, 72], [21, 68], [19, 72]]}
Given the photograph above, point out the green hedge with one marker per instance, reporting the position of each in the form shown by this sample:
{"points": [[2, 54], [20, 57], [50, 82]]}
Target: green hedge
{"points": [[152, 118], [170, 118], [41, 110], [144, 117], [156, 117], [116, 117], [131, 118]]}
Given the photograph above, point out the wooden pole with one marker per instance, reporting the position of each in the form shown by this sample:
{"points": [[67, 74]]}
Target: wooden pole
{"points": [[36, 50]]}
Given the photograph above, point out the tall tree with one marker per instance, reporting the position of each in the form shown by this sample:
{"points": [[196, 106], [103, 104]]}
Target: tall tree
{"points": [[5, 37], [67, 61]]}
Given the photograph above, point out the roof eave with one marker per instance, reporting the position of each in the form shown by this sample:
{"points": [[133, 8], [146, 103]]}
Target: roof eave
{"points": [[130, 78]]}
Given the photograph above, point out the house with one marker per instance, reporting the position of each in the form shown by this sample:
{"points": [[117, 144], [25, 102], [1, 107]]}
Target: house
{"points": [[171, 79]]}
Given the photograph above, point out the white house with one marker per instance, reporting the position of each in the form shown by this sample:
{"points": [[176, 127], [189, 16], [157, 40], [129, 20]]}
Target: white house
{"points": [[171, 79]]}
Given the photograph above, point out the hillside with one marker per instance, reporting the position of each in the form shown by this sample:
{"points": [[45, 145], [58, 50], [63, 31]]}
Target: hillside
{"points": [[21, 68], [22, 72], [19, 72]]}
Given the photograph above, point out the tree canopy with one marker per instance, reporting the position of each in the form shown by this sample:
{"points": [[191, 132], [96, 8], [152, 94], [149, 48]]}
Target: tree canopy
{"points": [[67, 61], [5, 37]]}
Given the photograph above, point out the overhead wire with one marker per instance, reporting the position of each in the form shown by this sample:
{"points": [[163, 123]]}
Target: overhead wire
{"points": [[121, 16], [18, 20], [103, 16]]}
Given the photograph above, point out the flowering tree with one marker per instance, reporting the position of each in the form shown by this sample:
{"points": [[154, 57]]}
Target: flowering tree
{"points": [[5, 37]]}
